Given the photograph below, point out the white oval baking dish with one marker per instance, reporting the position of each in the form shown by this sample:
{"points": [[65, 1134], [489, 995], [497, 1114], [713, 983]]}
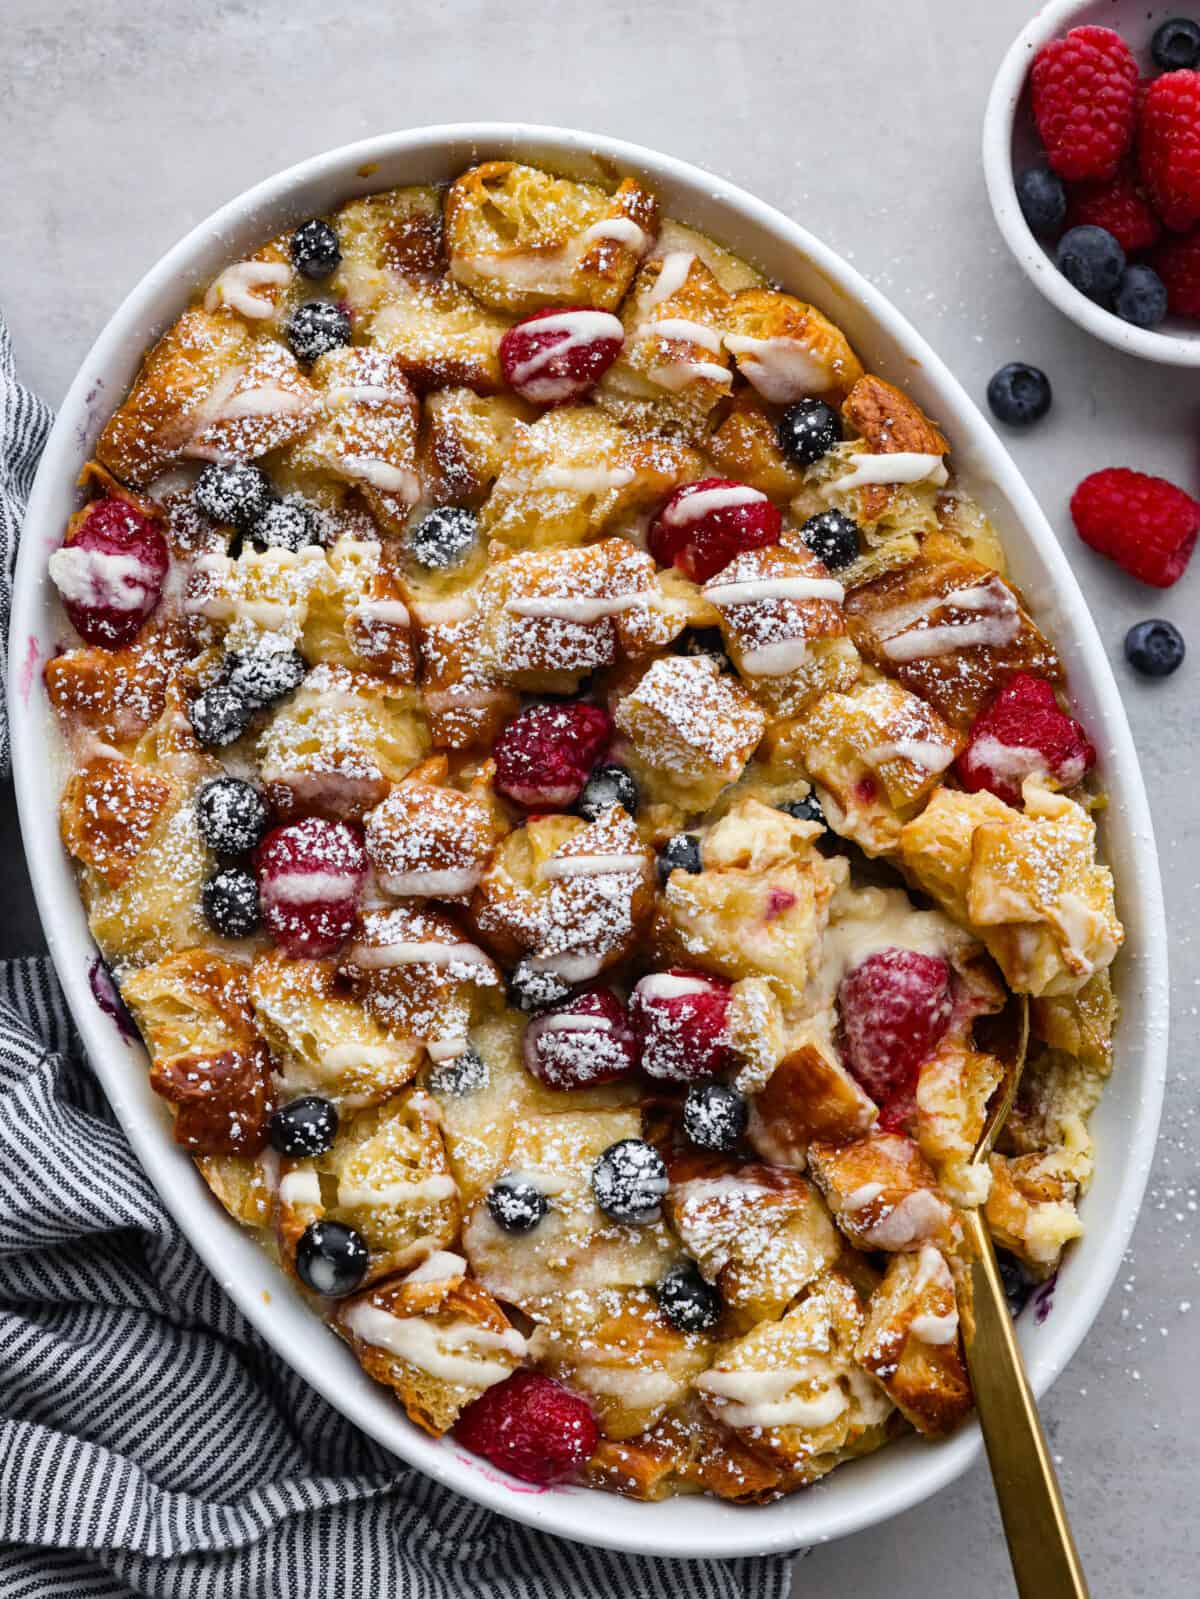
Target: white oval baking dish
{"points": [[1125, 1124]]}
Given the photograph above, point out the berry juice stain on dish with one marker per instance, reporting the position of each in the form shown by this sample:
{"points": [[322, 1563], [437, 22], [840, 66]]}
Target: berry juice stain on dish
{"points": [[558, 773]]}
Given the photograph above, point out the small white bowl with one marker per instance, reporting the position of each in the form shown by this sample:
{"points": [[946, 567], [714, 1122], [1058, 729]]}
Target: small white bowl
{"points": [[1010, 144], [1125, 1122]]}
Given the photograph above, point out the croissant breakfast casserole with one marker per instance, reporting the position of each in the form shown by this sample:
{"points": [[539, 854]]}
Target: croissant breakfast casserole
{"points": [[572, 802]]}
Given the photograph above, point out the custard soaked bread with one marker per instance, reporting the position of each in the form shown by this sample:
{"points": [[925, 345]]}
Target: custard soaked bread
{"points": [[566, 788]]}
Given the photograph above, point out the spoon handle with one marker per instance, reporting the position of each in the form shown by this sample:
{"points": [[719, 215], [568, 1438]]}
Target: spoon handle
{"points": [[1045, 1561]]}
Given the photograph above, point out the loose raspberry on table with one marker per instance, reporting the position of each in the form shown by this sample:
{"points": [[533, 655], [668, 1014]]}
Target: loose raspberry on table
{"points": [[1177, 262], [704, 525], [110, 575], [1119, 206], [1169, 148], [544, 755], [585, 1040], [1022, 733], [1145, 524], [310, 881], [895, 1007], [681, 1019], [531, 1427], [1084, 101]]}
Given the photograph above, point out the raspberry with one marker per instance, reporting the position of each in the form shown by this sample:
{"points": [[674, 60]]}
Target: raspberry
{"points": [[531, 1427], [1117, 205], [111, 574], [1084, 100], [310, 880], [543, 756], [1023, 732], [558, 355], [585, 1040], [704, 525], [1177, 262], [1144, 524], [681, 1021], [1169, 148], [895, 1007]]}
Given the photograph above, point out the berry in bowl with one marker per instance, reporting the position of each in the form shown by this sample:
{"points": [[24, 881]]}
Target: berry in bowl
{"points": [[566, 850], [1091, 150]]}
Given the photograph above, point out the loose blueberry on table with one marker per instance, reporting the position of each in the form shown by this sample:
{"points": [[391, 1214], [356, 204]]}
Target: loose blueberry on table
{"points": [[1155, 649]]}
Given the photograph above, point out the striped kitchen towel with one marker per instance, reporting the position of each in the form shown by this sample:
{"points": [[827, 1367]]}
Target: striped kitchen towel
{"points": [[150, 1442], [24, 424]]}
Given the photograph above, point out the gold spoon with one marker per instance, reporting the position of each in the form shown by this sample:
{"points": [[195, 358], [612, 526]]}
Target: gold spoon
{"points": [[1044, 1559]]}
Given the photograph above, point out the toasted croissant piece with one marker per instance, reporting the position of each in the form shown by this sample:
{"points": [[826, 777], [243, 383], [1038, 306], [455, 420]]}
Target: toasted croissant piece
{"points": [[386, 1176], [520, 238], [207, 1058], [758, 907], [339, 743], [910, 1342], [883, 1194], [793, 1390], [109, 810], [674, 369], [418, 975], [437, 1342], [689, 730], [552, 616], [1027, 882], [760, 1234], [949, 629], [322, 1039], [875, 753], [570, 894], [788, 349], [781, 619]]}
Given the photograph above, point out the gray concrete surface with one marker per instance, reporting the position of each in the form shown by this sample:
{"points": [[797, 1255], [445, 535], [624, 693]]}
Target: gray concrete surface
{"points": [[122, 125]]}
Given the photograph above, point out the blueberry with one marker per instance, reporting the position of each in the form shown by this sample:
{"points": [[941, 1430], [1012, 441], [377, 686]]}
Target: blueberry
{"points": [[287, 524], [1091, 260], [608, 785], [629, 1180], [809, 809], [832, 537], [1141, 297], [1155, 648], [315, 328], [233, 492], [463, 1075], [219, 716], [532, 990], [1017, 1284], [714, 1115], [263, 674], [516, 1204], [304, 1127], [230, 900], [808, 430], [1042, 198], [232, 815], [443, 537], [1019, 394], [314, 248], [681, 853], [703, 641], [1176, 45], [331, 1258], [689, 1303]]}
